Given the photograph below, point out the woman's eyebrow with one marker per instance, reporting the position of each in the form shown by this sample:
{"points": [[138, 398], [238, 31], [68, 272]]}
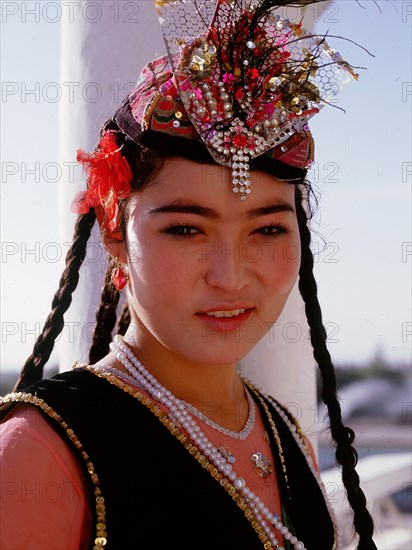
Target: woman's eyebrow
{"points": [[187, 207], [270, 208]]}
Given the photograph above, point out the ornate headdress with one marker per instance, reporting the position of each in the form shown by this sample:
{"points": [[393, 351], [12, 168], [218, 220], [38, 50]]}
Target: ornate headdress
{"points": [[237, 77]]}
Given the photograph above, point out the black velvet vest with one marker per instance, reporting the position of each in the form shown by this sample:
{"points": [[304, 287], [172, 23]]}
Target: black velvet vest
{"points": [[156, 493]]}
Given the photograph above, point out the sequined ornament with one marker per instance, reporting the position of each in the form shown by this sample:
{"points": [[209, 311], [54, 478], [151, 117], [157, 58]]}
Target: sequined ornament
{"points": [[263, 467]]}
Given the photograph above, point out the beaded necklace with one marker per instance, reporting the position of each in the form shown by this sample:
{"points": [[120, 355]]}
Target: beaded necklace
{"points": [[178, 412], [246, 430]]}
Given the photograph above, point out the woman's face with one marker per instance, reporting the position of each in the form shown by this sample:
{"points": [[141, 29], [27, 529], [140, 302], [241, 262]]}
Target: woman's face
{"points": [[197, 254]]}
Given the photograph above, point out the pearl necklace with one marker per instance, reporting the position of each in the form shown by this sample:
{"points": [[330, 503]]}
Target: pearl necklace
{"points": [[178, 411], [246, 430]]}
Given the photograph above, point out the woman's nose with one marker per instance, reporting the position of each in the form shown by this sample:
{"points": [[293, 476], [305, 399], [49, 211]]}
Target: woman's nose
{"points": [[226, 266]]}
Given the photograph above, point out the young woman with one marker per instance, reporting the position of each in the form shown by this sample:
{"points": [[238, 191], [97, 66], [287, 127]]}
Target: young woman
{"points": [[134, 449]]}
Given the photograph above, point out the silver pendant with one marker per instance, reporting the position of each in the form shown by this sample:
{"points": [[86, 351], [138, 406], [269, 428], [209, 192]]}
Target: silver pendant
{"points": [[263, 467]]}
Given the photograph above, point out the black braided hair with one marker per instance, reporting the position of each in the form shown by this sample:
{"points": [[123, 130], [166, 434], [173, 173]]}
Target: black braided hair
{"points": [[32, 370], [124, 321], [106, 317], [346, 454]]}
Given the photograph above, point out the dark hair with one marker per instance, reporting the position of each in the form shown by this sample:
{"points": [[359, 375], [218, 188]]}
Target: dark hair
{"points": [[145, 158]]}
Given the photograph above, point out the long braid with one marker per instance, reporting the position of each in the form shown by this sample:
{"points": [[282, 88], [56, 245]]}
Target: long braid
{"points": [[32, 370], [346, 455], [124, 321], [105, 318]]}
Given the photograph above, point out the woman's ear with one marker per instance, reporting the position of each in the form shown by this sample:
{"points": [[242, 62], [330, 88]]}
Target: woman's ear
{"points": [[116, 248], [113, 242]]}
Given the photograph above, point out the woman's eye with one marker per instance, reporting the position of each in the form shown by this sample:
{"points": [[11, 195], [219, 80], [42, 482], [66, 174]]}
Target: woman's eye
{"points": [[273, 229], [181, 230]]}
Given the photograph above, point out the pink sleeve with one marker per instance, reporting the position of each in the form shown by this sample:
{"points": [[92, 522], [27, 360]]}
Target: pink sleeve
{"points": [[44, 493]]}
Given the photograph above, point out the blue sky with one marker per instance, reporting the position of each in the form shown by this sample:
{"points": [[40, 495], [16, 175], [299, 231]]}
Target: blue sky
{"points": [[363, 173]]}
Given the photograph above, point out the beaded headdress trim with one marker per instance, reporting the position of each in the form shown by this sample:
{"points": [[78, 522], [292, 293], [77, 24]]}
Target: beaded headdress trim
{"points": [[248, 80]]}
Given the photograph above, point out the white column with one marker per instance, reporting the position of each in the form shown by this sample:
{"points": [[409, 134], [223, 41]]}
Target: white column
{"points": [[104, 45]]}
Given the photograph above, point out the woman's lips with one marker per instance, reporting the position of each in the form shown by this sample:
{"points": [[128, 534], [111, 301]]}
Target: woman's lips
{"points": [[226, 323]]}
